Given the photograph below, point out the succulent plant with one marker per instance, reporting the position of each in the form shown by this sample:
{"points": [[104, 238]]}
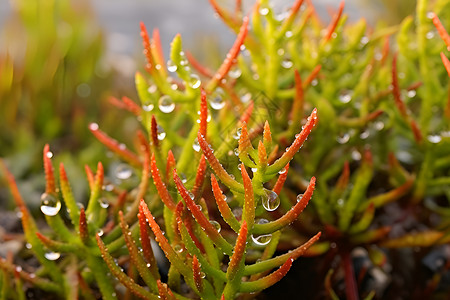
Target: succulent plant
{"points": [[224, 204]]}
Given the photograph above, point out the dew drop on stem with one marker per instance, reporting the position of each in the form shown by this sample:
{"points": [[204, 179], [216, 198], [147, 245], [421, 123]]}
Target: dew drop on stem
{"points": [[196, 145], [166, 104], [50, 205], [216, 225], [52, 255], [148, 107], [171, 66], [161, 133], [237, 135], [217, 99], [123, 171], [194, 81], [270, 201]]}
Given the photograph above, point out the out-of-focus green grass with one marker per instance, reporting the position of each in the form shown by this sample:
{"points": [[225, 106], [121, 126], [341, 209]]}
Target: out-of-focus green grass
{"points": [[53, 82]]}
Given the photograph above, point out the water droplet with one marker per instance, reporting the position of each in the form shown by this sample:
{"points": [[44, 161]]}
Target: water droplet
{"points": [[246, 97], [217, 102], [287, 64], [254, 170], [435, 139], [194, 81], [191, 195], [18, 269], [345, 96], [430, 34], [236, 151], [50, 205], [299, 197], [161, 133], [108, 187], [103, 202], [238, 133], [240, 167], [378, 125], [342, 139], [202, 274], [100, 232], [235, 73], [411, 93], [148, 265], [288, 34], [171, 66], [340, 202], [365, 134], [314, 82], [261, 240], [49, 154], [178, 248], [264, 11], [280, 52], [199, 207], [152, 89], [364, 40], [123, 171], [196, 145], [356, 155], [216, 225], [52, 255], [28, 246], [93, 126], [270, 201], [166, 104], [148, 107], [183, 178], [282, 171]]}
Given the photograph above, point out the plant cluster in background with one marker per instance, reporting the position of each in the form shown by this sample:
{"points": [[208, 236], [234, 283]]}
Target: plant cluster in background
{"points": [[214, 179]]}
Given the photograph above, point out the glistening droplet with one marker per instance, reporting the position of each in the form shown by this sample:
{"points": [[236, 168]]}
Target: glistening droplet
{"points": [[194, 81], [50, 205], [161, 133], [196, 145], [52, 255], [270, 201], [123, 171], [166, 104], [216, 225], [171, 66], [217, 102], [261, 240]]}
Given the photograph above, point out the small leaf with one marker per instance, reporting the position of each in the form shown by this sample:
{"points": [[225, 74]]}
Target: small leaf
{"points": [[121, 276], [248, 214], [50, 187], [217, 167], [269, 280], [83, 227], [237, 259], [197, 273], [222, 204], [209, 229], [442, 32], [296, 145], [114, 146], [290, 216], [160, 186], [332, 27]]}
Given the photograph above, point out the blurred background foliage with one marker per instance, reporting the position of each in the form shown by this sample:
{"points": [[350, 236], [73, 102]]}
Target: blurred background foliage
{"points": [[54, 80]]}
